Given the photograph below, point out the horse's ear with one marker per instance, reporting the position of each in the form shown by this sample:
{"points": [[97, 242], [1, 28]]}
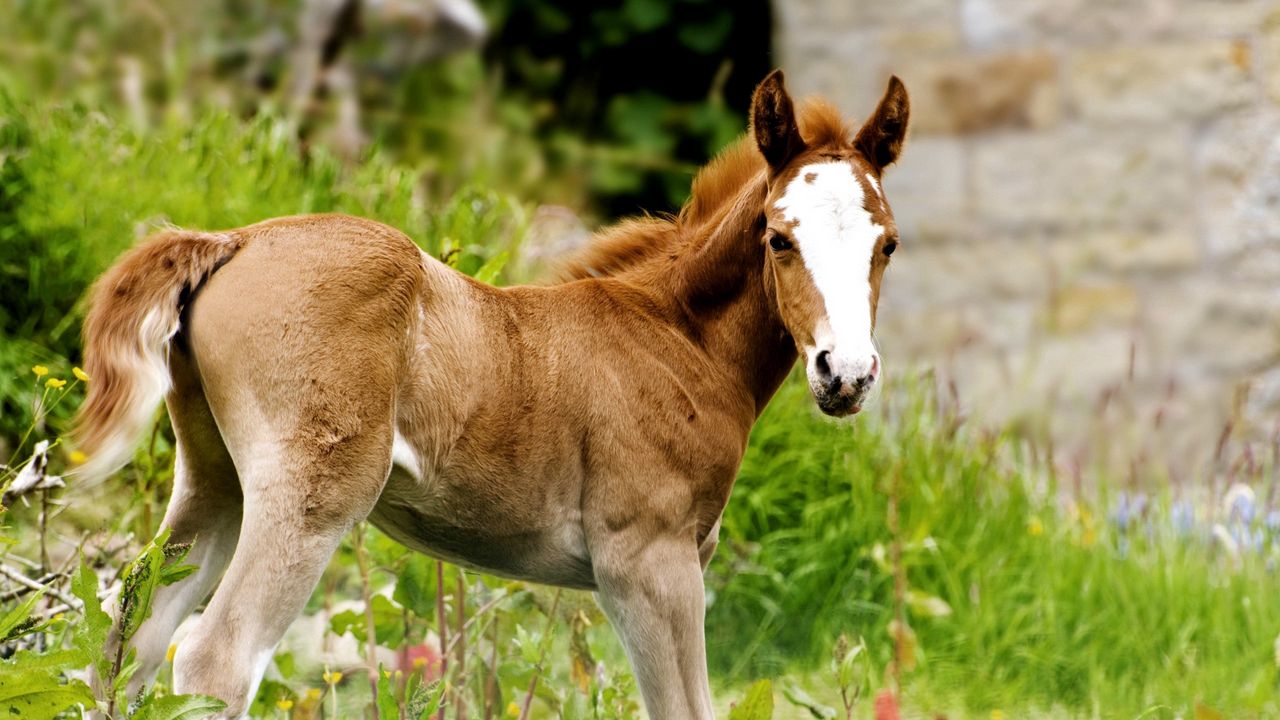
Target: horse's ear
{"points": [[773, 122], [881, 138]]}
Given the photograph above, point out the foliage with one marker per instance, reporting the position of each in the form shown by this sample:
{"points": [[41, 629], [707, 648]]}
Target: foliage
{"points": [[678, 85], [77, 188]]}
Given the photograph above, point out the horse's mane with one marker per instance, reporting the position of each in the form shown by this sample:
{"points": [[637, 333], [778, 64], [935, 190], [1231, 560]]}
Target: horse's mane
{"points": [[622, 246]]}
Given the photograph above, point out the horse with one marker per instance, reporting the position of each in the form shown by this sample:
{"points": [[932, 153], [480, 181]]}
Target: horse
{"points": [[322, 370]]}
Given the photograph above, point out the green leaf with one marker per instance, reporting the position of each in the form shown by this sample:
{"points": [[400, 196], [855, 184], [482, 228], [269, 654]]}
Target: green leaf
{"points": [[415, 586], [40, 695], [757, 705], [388, 622], [18, 616], [492, 267], [927, 605], [387, 705], [87, 639], [178, 707], [800, 698], [528, 644], [426, 700], [646, 15], [708, 36]]}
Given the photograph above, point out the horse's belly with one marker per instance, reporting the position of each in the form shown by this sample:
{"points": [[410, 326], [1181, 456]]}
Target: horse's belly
{"points": [[553, 552]]}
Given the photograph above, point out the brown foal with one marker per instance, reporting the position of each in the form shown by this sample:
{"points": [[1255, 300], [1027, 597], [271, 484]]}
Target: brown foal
{"points": [[321, 370]]}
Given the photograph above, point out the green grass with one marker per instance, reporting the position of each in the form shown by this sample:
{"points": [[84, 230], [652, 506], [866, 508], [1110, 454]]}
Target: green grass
{"points": [[1047, 609]]}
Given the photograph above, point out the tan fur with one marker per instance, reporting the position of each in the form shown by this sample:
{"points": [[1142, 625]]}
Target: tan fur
{"points": [[585, 434]]}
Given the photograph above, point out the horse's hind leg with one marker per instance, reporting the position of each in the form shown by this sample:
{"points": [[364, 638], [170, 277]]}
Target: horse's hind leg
{"points": [[298, 505], [204, 509]]}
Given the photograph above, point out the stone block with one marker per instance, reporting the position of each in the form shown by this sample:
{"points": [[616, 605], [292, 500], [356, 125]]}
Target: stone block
{"points": [[1082, 179], [1056, 23], [1237, 165], [973, 94], [1126, 252], [928, 189], [1161, 82], [1078, 308]]}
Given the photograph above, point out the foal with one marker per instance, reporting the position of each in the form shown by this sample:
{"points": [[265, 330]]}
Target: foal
{"points": [[321, 370]]}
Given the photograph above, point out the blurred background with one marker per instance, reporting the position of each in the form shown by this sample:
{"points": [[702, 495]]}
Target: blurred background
{"points": [[1062, 504]]}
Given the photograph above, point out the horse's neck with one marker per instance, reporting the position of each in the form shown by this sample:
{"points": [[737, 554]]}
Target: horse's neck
{"points": [[721, 286]]}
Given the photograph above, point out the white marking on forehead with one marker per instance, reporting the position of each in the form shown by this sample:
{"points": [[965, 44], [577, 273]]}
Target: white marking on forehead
{"points": [[836, 236]]}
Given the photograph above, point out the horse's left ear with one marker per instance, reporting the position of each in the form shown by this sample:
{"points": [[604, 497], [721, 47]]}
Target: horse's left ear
{"points": [[881, 138], [773, 122]]}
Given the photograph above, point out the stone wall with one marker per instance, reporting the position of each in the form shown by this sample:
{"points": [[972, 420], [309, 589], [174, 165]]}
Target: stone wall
{"points": [[1089, 202]]}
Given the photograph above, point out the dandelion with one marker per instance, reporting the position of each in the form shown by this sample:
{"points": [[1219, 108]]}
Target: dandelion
{"points": [[54, 383], [284, 704], [77, 457], [173, 650], [40, 370], [81, 375], [1035, 528], [513, 709]]}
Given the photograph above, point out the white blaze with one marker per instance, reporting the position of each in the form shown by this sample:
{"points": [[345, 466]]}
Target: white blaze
{"points": [[836, 236]]}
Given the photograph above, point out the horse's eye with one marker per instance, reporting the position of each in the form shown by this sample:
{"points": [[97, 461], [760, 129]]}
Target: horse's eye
{"points": [[889, 247], [779, 242]]}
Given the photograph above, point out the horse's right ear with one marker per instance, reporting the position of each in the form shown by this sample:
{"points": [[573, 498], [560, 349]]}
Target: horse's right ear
{"points": [[773, 122]]}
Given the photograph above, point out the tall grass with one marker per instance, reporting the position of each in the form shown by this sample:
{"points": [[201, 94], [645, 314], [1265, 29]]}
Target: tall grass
{"points": [[1051, 599]]}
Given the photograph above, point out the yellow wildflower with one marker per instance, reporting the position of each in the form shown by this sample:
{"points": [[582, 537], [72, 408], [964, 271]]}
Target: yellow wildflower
{"points": [[54, 383], [1035, 528], [173, 650], [997, 715], [77, 457], [40, 370], [513, 709], [284, 704], [81, 375], [314, 693], [332, 677], [419, 663]]}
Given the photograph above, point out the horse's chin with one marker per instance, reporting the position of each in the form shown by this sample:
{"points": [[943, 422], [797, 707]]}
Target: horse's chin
{"points": [[840, 406]]}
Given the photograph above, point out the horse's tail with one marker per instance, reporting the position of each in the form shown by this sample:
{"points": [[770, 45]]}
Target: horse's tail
{"points": [[134, 313]]}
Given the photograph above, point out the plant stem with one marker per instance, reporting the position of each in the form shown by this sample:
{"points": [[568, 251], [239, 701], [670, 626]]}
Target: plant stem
{"points": [[542, 656], [491, 689], [370, 628], [899, 578], [461, 635], [442, 629]]}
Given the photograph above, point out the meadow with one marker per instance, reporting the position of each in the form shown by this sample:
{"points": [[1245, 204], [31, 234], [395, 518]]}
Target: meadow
{"points": [[910, 551]]}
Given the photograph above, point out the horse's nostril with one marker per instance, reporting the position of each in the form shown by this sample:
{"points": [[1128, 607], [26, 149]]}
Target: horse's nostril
{"points": [[822, 364]]}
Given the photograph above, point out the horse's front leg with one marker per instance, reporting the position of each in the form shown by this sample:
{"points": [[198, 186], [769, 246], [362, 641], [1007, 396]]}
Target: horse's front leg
{"points": [[650, 586]]}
